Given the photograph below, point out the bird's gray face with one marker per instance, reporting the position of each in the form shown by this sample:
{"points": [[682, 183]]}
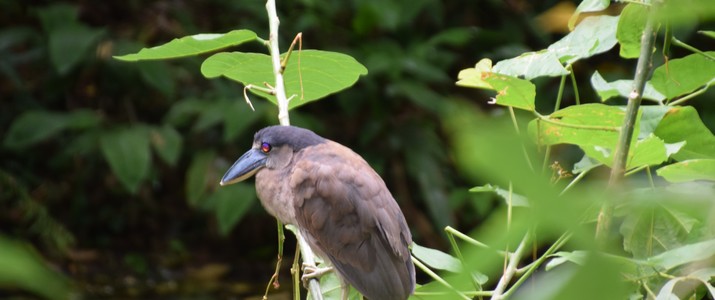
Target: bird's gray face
{"points": [[262, 155]]}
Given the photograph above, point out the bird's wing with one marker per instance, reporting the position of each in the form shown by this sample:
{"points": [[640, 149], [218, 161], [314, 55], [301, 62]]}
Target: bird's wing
{"points": [[349, 216]]}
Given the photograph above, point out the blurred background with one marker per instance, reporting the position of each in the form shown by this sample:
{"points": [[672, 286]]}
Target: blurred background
{"points": [[111, 174]]}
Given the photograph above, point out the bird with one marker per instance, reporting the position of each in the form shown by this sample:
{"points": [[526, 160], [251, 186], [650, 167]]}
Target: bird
{"points": [[338, 203]]}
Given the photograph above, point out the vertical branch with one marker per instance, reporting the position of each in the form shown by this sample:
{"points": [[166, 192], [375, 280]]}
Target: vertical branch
{"points": [[620, 158], [279, 88]]}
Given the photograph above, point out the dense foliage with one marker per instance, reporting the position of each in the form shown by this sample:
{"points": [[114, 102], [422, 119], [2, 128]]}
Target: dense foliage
{"points": [[111, 167]]}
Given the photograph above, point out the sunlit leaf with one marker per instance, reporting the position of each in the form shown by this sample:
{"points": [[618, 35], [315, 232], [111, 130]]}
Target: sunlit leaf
{"points": [[587, 6], [587, 124], [321, 73], [514, 199], [623, 88], [233, 202], [192, 45], [167, 143], [689, 170], [684, 124], [473, 77], [684, 75], [128, 154], [630, 29], [592, 36], [531, 65], [436, 259], [512, 91]]}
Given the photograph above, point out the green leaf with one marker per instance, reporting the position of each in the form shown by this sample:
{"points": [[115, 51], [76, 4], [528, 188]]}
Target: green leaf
{"points": [[516, 199], [585, 164], [710, 34], [653, 230], [21, 267], [684, 124], [198, 181], [473, 77], [436, 259], [69, 45], [192, 45], [645, 152], [578, 257], [233, 202], [512, 91], [532, 65], [32, 127], [651, 115], [583, 125], [321, 73], [689, 170], [587, 6], [237, 118], [630, 29], [684, 75], [592, 36], [158, 75], [127, 152], [167, 143], [623, 88], [683, 255]]}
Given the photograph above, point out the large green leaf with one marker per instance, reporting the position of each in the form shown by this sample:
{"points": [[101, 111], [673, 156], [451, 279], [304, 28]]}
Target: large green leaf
{"points": [[623, 88], [684, 124], [436, 259], [683, 255], [35, 126], [654, 230], [309, 74], [128, 154], [684, 75], [587, 124], [21, 267], [232, 203], [644, 152], [630, 29], [592, 36], [192, 45], [689, 170], [532, 65]]}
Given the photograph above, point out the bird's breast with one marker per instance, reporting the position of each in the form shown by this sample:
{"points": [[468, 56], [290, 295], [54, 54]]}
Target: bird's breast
{"points": [[275, 195]]}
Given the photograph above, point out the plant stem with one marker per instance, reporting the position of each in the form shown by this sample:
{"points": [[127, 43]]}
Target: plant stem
{"points": [[511, 268], [279, 87], [436, 277], [643, 69], [535, 265]]}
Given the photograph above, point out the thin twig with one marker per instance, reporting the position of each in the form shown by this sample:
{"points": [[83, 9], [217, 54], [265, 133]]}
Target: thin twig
{"points": [[436, 277], [511, 268]]}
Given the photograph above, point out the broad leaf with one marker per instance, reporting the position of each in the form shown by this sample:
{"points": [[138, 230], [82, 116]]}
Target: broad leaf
{"points": [[309, 74], [531, 65], [684, 75], [592, 36], [474, 77], [587, 6], [623, 88], [198, 179], [35, 126], [192, 45], [651, 231], [21, 267], [683, 255], [689, 170], [167, 143], [232, 203], [436, 259], [514, 199], [512, 91], [127, 152], [587, 124], [630, 29], [684, 124]]}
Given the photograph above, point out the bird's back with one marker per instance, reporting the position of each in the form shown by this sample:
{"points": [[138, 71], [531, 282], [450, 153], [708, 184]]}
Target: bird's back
{"points": [[349, 217]]}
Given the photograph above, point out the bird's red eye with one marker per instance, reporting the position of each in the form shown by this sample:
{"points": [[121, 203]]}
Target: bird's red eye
{"points": [[266, 147]]}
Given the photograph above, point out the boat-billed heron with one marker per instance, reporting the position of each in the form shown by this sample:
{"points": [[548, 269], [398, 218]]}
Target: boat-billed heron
{"points": [[339, 204]]}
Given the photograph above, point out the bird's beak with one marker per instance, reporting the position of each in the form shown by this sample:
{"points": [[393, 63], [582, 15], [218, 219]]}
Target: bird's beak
{"points": [[248, 164]]}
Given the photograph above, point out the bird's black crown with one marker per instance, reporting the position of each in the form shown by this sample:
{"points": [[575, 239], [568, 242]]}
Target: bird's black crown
{"points": [[295, 137]]}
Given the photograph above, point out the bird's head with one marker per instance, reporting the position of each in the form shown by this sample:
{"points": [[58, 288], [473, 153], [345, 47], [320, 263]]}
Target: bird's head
{"points": [[273, 148]]}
